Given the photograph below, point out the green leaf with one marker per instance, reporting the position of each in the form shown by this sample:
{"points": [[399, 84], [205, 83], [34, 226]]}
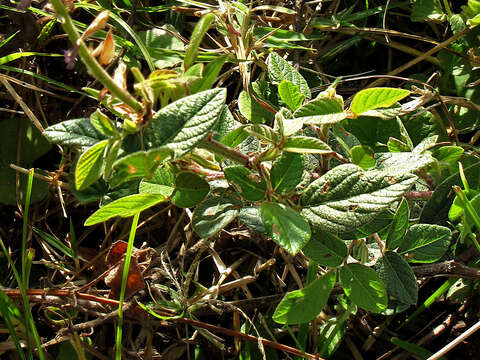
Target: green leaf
{"points": [[306, 145], [190, 189], [250, 216], [138, 165], [347, 197], [395, 145], [53, 241], [302, 306], [103, 124], [364, 287], [263, 132], [436, 208], [287, 173], [196, 38], [211, 73], [18, 133], [290, 94], [76, 132], [252, 110], [214, 214], [427, 10], [403, 162], [326, 249], [90, 165], [279, 69], [250, 186], [184, 123], [321, 111], [124, 207], [398, 276], [286, 227], [374, 98], [162, 182], [163, 46], [399, 226], [363, 156], [425, 243]]}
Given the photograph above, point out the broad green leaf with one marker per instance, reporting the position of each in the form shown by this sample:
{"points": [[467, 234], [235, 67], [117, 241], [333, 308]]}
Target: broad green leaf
{"points": [[124, 207], [210, 75], [448, 156], [103, 124], [234, 137], [196, 38], [425, 243], [125, 189], [326, 249], [263, 132], [250, 216], [287, 172], [427, 10], [279, 69], [363, 156], [138, 165], [321, 111], [290, 94], [398, 276], [190, 189], [397, 146], [90, 165], [214, 214], [111, 155], [162, 182], [399, 226], [403, 162], [364, 287], [425, 144], [347, 197], [302, 306], [184, 123], [458, 209], [77, 132], [252, 110], [250, 186], [306, 145], [16, 134], [163, 46], [286, 227], [374, 98]]}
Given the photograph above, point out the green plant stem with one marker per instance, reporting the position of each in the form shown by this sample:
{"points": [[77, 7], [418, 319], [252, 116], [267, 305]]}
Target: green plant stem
{"points": [[467, 205], [447, 8], [25, 229], [223, 150], [126, 268], [90, 62]]}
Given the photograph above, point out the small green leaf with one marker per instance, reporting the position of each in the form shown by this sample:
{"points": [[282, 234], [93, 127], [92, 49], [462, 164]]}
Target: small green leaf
{"points": [[90, 165], [162, 182], [302, 306], [287, 173], [399, 226], [124, 207], [103, 124], [403, 162], [306, 145], [362, 155], [76, 132], [138, 165], [290, 94], [398, 276], [326, 249], [286, 227], [425, 243], [364, 287], [321, 111], [347, 197], [263, 132], [427, 10], [190, 189], [374, 98], [196, 38], [186, 122], [279, 69], [251, 186], [214, 214]]}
